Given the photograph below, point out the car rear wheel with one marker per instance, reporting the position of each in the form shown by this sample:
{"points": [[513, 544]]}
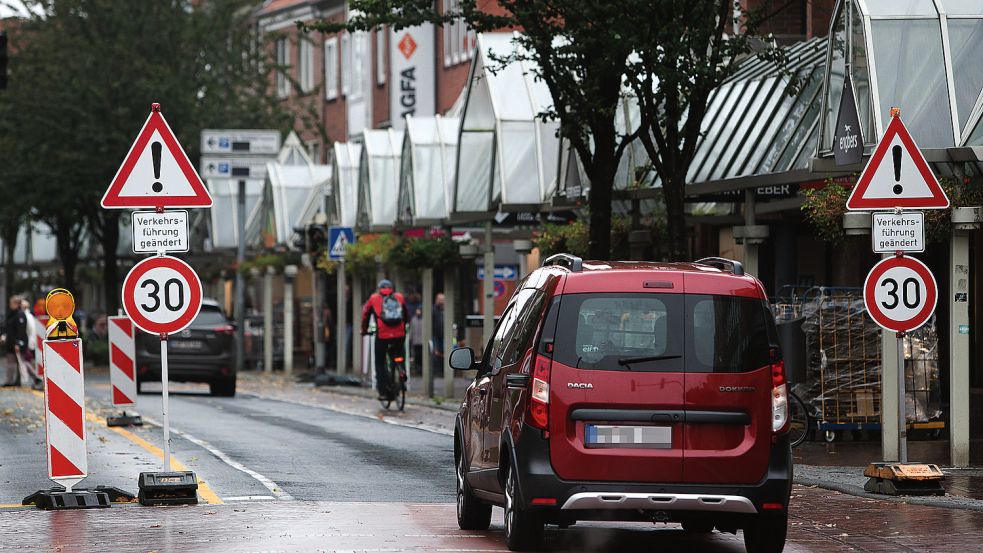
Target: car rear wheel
{"points": [[471, 513], [766, 534], [523, 529], [224, 388]]}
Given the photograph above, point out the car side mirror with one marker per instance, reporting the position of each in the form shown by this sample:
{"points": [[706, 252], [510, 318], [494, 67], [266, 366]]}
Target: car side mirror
{"points": [[462, 359]]}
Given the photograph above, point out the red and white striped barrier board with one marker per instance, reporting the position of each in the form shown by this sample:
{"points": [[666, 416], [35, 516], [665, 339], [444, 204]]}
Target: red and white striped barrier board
{"points": [[40, 325], [64, 411], [122, 361]]}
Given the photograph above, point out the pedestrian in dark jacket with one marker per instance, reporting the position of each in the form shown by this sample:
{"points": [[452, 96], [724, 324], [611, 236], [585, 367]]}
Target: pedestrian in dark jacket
{"points": [[15, 341]]}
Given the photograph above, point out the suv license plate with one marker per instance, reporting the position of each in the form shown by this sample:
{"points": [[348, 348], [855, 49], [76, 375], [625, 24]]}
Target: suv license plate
{"points": [[640, 437], [187, 345]]}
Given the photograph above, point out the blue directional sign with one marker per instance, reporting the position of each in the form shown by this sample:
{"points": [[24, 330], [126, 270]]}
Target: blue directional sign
{"points": [[338, 239], [502, 272]]}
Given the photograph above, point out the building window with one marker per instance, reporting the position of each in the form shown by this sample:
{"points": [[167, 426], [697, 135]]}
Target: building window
{"points": [[380, 55], [283, 65], [459, 40], [346, 64], [331, 68], [306, 63], [359, 63], [314, 150]]}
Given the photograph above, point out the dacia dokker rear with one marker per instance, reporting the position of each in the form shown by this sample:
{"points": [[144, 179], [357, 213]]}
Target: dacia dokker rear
{"points": [[628, 391]]}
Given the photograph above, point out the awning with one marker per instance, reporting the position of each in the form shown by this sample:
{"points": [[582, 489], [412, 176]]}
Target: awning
{"points": [[295, 189], [344, 183], [426, 180], [378, 180], [224, 214], [753, 130], [507, 156]]}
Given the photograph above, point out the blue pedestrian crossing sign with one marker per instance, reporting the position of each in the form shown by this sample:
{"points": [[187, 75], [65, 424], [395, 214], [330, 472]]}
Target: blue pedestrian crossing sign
{"points": [[339, 238]]}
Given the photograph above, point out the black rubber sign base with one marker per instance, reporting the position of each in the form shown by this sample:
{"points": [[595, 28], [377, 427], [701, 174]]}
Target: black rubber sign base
{"points": [[58, 499], [168, 488]]}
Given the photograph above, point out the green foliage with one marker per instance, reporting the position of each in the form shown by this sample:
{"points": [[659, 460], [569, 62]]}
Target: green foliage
{"points": [[413, 254], [261, 262], [83, 76], [368, 253], [96, 348], [824, 208], [671, 53], [573, 237]]}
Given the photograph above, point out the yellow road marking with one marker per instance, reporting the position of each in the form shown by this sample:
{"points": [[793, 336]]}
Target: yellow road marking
{"points": [[204, 490], [14, 506]]}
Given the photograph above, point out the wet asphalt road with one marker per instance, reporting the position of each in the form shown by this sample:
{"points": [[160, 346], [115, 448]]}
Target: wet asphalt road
{"points": [[289, 476], [244, 446]]}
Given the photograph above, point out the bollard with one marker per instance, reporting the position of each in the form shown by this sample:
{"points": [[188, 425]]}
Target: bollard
{"points": [[122, 370], [64, 412]]}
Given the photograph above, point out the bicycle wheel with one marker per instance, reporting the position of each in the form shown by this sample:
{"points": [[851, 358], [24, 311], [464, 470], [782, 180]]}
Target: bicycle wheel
{"points": [[799, 420], [401, 398]]}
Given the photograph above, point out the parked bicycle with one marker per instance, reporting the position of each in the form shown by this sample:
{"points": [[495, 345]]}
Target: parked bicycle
{"points": [[800, 422]]}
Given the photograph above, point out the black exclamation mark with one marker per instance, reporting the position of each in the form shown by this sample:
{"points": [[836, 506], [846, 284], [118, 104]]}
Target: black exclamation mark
{"points": [[156, 147], [898, 189]]}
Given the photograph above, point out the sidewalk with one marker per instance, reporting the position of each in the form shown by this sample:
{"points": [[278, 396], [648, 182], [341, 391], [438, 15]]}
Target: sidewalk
{"points": [[837, 467]]}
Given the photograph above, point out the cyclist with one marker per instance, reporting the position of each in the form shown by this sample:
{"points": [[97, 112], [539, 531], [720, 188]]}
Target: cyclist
{"points": [[389, 309]]}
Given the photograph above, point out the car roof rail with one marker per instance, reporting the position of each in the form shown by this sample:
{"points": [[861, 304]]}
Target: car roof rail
{"points": [[573, 263], [724, 264]]}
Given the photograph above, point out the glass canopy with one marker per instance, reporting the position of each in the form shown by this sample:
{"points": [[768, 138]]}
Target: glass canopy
{"points": [[508, 155], [294, 190], [922, 56], [426, 178], [378, 179], [343, 202]]}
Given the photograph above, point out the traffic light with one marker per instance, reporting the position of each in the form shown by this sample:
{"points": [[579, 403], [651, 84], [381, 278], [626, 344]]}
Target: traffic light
{"points": [[3, 60], [299, 239], [317, 238]]}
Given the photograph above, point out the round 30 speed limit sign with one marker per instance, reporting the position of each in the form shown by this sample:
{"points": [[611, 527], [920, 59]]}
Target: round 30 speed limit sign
{"points": [[900, 294], [162, 295]]}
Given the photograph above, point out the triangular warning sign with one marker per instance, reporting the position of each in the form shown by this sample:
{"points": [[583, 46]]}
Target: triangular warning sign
{"points": [[897, 175], [156, 172], [338, 248]]}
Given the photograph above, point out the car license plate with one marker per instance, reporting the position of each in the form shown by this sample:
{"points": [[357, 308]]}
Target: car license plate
{"points": [[640, 437], [187, 345]]}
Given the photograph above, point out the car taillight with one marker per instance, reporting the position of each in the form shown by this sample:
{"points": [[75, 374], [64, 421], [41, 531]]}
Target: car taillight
{"points": [[225, 329], [539, 398], [779, 398]]}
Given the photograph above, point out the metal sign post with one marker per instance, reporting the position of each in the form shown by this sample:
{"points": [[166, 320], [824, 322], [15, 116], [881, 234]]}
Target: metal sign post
{"points": [[902, 416], [163, 400]]}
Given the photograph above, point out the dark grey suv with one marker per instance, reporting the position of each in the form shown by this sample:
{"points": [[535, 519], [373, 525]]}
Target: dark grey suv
{"points": [[203, 352]]}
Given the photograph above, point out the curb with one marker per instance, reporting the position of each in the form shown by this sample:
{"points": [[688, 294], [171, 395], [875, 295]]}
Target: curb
{"points": [[947, 501]]}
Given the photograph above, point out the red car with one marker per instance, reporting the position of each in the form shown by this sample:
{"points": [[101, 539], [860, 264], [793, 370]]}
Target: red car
{"points": [[634, 391]]}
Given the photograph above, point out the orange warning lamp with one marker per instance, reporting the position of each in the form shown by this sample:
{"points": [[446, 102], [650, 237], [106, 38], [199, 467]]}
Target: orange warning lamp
{"points": [[61, 306]]}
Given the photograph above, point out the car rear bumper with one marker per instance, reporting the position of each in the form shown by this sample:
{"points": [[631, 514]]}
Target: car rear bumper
{"points": [[625, 500], [204, 368]]}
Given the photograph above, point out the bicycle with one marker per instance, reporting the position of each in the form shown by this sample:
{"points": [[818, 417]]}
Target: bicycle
{"points": [[396, 372], [800, 422]]}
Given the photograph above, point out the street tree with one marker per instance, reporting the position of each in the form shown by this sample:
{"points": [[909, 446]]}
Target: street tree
{"points": [[683, 51], [669, 54], [580, 52], [84, 76]]}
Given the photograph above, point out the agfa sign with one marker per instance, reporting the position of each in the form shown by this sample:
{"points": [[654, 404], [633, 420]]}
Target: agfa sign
{"points": [[412, 73]]}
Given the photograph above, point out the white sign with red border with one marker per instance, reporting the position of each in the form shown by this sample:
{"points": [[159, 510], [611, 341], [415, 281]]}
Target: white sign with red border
{"points": [[900, 293], [897, 176], [162, 295], [156, 172]]}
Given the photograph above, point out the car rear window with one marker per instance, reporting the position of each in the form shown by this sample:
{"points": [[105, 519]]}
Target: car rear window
{"points": [[663, 332], [210, 316]]}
